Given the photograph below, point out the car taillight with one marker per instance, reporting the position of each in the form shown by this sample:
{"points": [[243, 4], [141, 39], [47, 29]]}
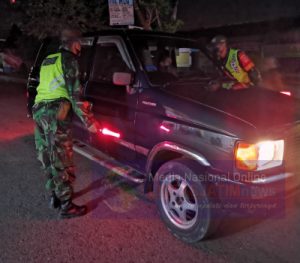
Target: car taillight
{"points": [[260, 156]]}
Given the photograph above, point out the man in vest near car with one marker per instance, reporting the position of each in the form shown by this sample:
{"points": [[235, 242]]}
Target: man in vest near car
{"points": [[236, 65], [57, 98]]}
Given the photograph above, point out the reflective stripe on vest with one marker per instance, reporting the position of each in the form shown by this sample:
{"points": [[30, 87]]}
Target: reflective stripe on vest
{"points": [[233, 66], [52, 83]]}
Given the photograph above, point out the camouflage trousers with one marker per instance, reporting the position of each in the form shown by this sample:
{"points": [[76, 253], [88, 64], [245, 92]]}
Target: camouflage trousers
{"points": [[53, 140]]}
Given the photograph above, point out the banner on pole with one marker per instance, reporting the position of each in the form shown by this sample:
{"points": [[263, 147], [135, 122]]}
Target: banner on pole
{"points": [[121, 12]]}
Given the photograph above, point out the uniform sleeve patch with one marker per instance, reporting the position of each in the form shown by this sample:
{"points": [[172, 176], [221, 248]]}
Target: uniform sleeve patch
{"points": [[246, 63]]}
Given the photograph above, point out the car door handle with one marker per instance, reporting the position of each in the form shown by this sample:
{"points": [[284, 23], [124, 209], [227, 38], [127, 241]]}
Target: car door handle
{"points": [[149, 103]]}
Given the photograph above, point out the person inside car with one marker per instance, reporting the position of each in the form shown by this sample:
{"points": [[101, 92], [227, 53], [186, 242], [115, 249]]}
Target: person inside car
{"points": [[165, 63]]}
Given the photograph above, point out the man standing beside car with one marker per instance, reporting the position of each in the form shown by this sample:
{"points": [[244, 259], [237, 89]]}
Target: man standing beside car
{"points": [[235, 64], [57, 97]]}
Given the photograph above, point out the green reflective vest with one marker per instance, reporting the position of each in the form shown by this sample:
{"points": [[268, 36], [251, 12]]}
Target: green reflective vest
{"points": [[234, 68], [52, 83]]}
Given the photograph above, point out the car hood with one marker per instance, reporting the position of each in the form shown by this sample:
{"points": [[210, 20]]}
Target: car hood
{"points": [[261, 108]]}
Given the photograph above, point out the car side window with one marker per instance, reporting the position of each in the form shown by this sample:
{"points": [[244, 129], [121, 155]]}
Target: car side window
{"points": [[108, 60]]}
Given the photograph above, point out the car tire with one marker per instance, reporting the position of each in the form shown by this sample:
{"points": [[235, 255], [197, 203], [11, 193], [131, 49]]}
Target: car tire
{"points": [[183, 201]]}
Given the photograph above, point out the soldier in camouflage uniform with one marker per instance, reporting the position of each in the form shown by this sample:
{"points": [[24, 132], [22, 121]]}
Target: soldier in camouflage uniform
{"points": [[57, 99]]}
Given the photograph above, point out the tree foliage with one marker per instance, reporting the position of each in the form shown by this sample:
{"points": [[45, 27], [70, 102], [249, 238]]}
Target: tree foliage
{"points": [[158, 14], [47, 17]]}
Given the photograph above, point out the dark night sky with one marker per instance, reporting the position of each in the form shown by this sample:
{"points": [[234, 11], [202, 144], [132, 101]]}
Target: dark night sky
{"points": [[213, 13]]}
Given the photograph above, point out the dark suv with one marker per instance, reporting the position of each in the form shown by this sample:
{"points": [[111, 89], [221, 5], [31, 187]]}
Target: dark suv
{"points": [[204, 154]]}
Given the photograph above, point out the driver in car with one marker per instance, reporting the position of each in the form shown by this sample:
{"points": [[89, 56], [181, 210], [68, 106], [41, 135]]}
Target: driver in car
{"points": [[166, 63]]}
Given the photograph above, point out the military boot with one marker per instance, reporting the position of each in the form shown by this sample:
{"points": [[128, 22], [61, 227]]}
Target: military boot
{"points": [[70, 210], [54, 201]]}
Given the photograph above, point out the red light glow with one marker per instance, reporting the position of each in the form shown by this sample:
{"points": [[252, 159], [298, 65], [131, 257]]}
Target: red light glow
{"points": [[288, 93], [108, 132], [164, 128]]}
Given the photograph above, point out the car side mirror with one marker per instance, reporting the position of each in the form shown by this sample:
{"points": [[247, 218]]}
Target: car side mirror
{"points": [[122, 79]]}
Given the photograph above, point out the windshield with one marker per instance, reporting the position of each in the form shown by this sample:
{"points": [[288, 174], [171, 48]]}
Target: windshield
{"points": [[170, 59]]}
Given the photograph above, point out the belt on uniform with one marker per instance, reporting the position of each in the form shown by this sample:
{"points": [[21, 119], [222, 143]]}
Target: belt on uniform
{"points": [[43, 103]]}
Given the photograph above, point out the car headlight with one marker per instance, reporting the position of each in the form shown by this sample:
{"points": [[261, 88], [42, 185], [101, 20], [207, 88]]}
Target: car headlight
{"points": [[260, 156]]}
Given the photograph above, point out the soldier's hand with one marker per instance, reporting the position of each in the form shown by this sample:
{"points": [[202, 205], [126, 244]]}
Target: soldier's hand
{"points": [[213, 85], [94, 128]]}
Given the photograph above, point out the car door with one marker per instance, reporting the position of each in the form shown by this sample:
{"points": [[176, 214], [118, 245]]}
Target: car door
{"points": [[113, 106], [85, 60]]}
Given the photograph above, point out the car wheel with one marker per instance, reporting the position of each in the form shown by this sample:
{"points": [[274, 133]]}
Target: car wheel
{"points": [[183, 202]]}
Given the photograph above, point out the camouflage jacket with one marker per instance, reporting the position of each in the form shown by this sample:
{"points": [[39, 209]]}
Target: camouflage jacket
{"points": [[71, 74]]}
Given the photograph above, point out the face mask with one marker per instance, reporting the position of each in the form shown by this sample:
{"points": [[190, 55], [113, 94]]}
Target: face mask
{"points": [[76, 48]]}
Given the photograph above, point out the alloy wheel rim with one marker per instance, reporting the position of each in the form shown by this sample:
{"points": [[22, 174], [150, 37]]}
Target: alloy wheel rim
{"points": [[179, 201]]}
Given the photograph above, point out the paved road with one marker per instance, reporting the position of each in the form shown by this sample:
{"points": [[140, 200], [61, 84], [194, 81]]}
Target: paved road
{"points": [[122, 225]]}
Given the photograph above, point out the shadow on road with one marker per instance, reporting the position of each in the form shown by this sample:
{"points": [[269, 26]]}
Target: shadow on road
{"points": [[231, 226], [24, 195], [118, 194]]}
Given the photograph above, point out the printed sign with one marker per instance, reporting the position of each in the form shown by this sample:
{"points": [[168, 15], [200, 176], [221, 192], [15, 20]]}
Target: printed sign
{"points": [[121, 12]]}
